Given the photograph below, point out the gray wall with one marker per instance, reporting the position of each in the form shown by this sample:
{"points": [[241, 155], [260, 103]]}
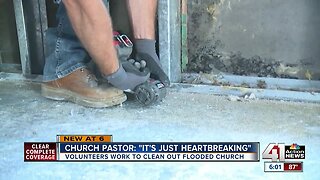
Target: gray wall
{"points": [[281, 35], [9, 50]]}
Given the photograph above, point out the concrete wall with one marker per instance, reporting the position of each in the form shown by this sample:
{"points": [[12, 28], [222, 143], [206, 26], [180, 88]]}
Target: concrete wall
{"points": [[279, 37]]}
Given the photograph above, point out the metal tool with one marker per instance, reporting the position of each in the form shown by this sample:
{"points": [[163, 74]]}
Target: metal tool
{"points": [[150, 92]]}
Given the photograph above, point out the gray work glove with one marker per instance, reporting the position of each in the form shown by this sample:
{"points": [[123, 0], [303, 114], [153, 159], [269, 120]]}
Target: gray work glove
{"points": [[146, 51], [128, 77]]}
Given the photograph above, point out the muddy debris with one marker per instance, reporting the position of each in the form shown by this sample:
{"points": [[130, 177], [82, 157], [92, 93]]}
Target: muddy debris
{"points": [[262, 84], [200, 78], [234, 63], [250, 96], [245, 97], [234, 98]]}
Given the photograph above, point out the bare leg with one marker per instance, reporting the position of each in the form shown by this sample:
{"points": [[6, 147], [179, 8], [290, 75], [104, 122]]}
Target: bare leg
{"points": [[92, 24], [143, 14]]}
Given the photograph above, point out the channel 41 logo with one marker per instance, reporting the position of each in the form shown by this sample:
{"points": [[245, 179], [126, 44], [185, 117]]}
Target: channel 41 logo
{"points": [[281, 152]]}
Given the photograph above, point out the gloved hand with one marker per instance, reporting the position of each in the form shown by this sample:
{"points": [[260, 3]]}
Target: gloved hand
{"points": [[128, 77], [145, 50]]}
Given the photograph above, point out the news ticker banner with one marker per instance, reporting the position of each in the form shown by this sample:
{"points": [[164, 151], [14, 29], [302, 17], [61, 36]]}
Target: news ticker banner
{"points": [[92, 148]]}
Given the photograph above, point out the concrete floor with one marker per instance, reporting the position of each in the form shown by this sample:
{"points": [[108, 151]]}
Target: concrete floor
{"points": [[26, 116]]}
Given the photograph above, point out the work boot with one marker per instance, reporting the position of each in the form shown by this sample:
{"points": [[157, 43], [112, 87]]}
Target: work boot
{"points": [[81, 87]]}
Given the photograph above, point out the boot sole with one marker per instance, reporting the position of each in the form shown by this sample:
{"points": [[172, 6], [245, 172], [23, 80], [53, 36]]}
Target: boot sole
{"points": [[66, 95]]}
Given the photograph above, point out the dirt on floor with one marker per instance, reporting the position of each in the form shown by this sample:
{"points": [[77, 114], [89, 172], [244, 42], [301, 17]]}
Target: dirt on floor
{"points": [[181, 117]]}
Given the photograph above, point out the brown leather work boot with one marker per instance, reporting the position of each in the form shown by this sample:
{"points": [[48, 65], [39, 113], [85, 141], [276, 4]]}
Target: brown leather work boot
{"points": [[81, 87]]}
